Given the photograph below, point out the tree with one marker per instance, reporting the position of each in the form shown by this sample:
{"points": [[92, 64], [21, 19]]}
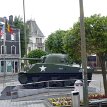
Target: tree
{"points": [[96, 34], [54, 42], [72, 45], [18, 22], [96, 40], [35, 54]]}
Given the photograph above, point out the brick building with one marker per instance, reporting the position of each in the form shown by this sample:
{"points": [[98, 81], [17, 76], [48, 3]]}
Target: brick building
{"points": [[9, 48]]}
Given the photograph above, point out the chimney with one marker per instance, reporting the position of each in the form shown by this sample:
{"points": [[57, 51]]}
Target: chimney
{"points": [[11, 19]]}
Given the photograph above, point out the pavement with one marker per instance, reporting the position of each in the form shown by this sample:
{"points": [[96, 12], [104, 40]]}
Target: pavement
{"points": [[8, 78], [9, 103], [37, 100]]}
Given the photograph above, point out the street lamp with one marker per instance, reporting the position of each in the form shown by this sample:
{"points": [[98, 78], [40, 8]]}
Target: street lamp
{"points": [[83, 55]]}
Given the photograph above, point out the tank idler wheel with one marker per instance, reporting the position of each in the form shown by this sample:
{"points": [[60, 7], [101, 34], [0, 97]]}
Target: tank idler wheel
{"points": [[23, 79]]}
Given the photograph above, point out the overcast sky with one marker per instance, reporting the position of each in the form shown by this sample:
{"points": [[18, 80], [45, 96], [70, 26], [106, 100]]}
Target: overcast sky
{"points": [[51, 15]]}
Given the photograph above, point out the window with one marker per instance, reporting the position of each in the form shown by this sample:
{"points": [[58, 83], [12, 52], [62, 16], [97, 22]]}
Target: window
{"points": [[38, 40], [2, 49], [29, 49], [9, 66], [13, 36], [1, 33], [2, 66], [13, 49], [2, 36]]}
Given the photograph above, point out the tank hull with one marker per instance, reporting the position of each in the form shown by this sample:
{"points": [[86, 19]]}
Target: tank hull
{"points": [[54, 79]]}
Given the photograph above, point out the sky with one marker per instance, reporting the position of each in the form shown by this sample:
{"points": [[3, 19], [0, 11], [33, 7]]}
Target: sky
{"points": [[52, 15]]}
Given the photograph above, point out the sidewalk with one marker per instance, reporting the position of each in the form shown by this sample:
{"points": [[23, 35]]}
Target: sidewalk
{"points": [[8, 78], [98, 71], [12, 74]]}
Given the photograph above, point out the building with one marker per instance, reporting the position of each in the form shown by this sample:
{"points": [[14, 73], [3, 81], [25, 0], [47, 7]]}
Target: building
{"points": [[9, 48], [93, 61], [36, 37]]}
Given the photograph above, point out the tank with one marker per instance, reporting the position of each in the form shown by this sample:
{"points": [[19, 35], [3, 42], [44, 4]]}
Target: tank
{"points": [[54, 67]]}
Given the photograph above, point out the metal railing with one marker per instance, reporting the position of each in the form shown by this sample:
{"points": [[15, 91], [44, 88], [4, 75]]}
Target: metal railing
{"points": [[28, 97], [51, 87]]}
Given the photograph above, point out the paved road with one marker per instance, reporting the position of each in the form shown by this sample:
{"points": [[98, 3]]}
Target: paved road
{"points": [[97, 81], [9, 103], [8, 78]]}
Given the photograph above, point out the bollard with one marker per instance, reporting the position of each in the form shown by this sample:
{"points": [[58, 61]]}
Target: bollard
{"points": [[78, 86], [75, 98]]}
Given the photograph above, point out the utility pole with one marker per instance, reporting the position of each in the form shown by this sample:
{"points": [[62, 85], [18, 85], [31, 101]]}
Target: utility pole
{"points": [[25, 32], [83, 55]]}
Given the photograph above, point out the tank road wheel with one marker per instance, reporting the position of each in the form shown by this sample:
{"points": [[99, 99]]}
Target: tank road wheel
{"points": [[59, 84], [36, 83], [34, 86], [55, 84], [67, 83], [23, 79], [40, 85], [35, 79]]}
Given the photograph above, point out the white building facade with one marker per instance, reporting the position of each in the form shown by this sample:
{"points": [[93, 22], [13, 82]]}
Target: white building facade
{"points": [[36, 37]]}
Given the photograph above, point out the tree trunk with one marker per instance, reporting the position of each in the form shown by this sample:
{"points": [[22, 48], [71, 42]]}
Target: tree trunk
{"points": [[102, 62]]}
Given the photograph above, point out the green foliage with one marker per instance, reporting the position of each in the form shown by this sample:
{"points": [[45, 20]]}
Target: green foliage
{"points": [[18, 22], [96, 34], [96, 41], [35, 54], [54, 42], [96, 37], [72, 46]]}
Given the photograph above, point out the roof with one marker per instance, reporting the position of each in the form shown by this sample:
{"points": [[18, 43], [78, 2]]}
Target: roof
{"points": [[34, 29]]}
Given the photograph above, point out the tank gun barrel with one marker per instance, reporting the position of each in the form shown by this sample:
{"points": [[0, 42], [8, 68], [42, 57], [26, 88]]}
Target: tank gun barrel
{"points": [[37, 59]]}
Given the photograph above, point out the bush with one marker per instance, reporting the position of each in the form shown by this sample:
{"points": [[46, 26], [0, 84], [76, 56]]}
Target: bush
{"points": [[35, 54]]}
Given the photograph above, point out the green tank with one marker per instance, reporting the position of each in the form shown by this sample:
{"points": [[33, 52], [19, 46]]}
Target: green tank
{"points": [[54, 67]]}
